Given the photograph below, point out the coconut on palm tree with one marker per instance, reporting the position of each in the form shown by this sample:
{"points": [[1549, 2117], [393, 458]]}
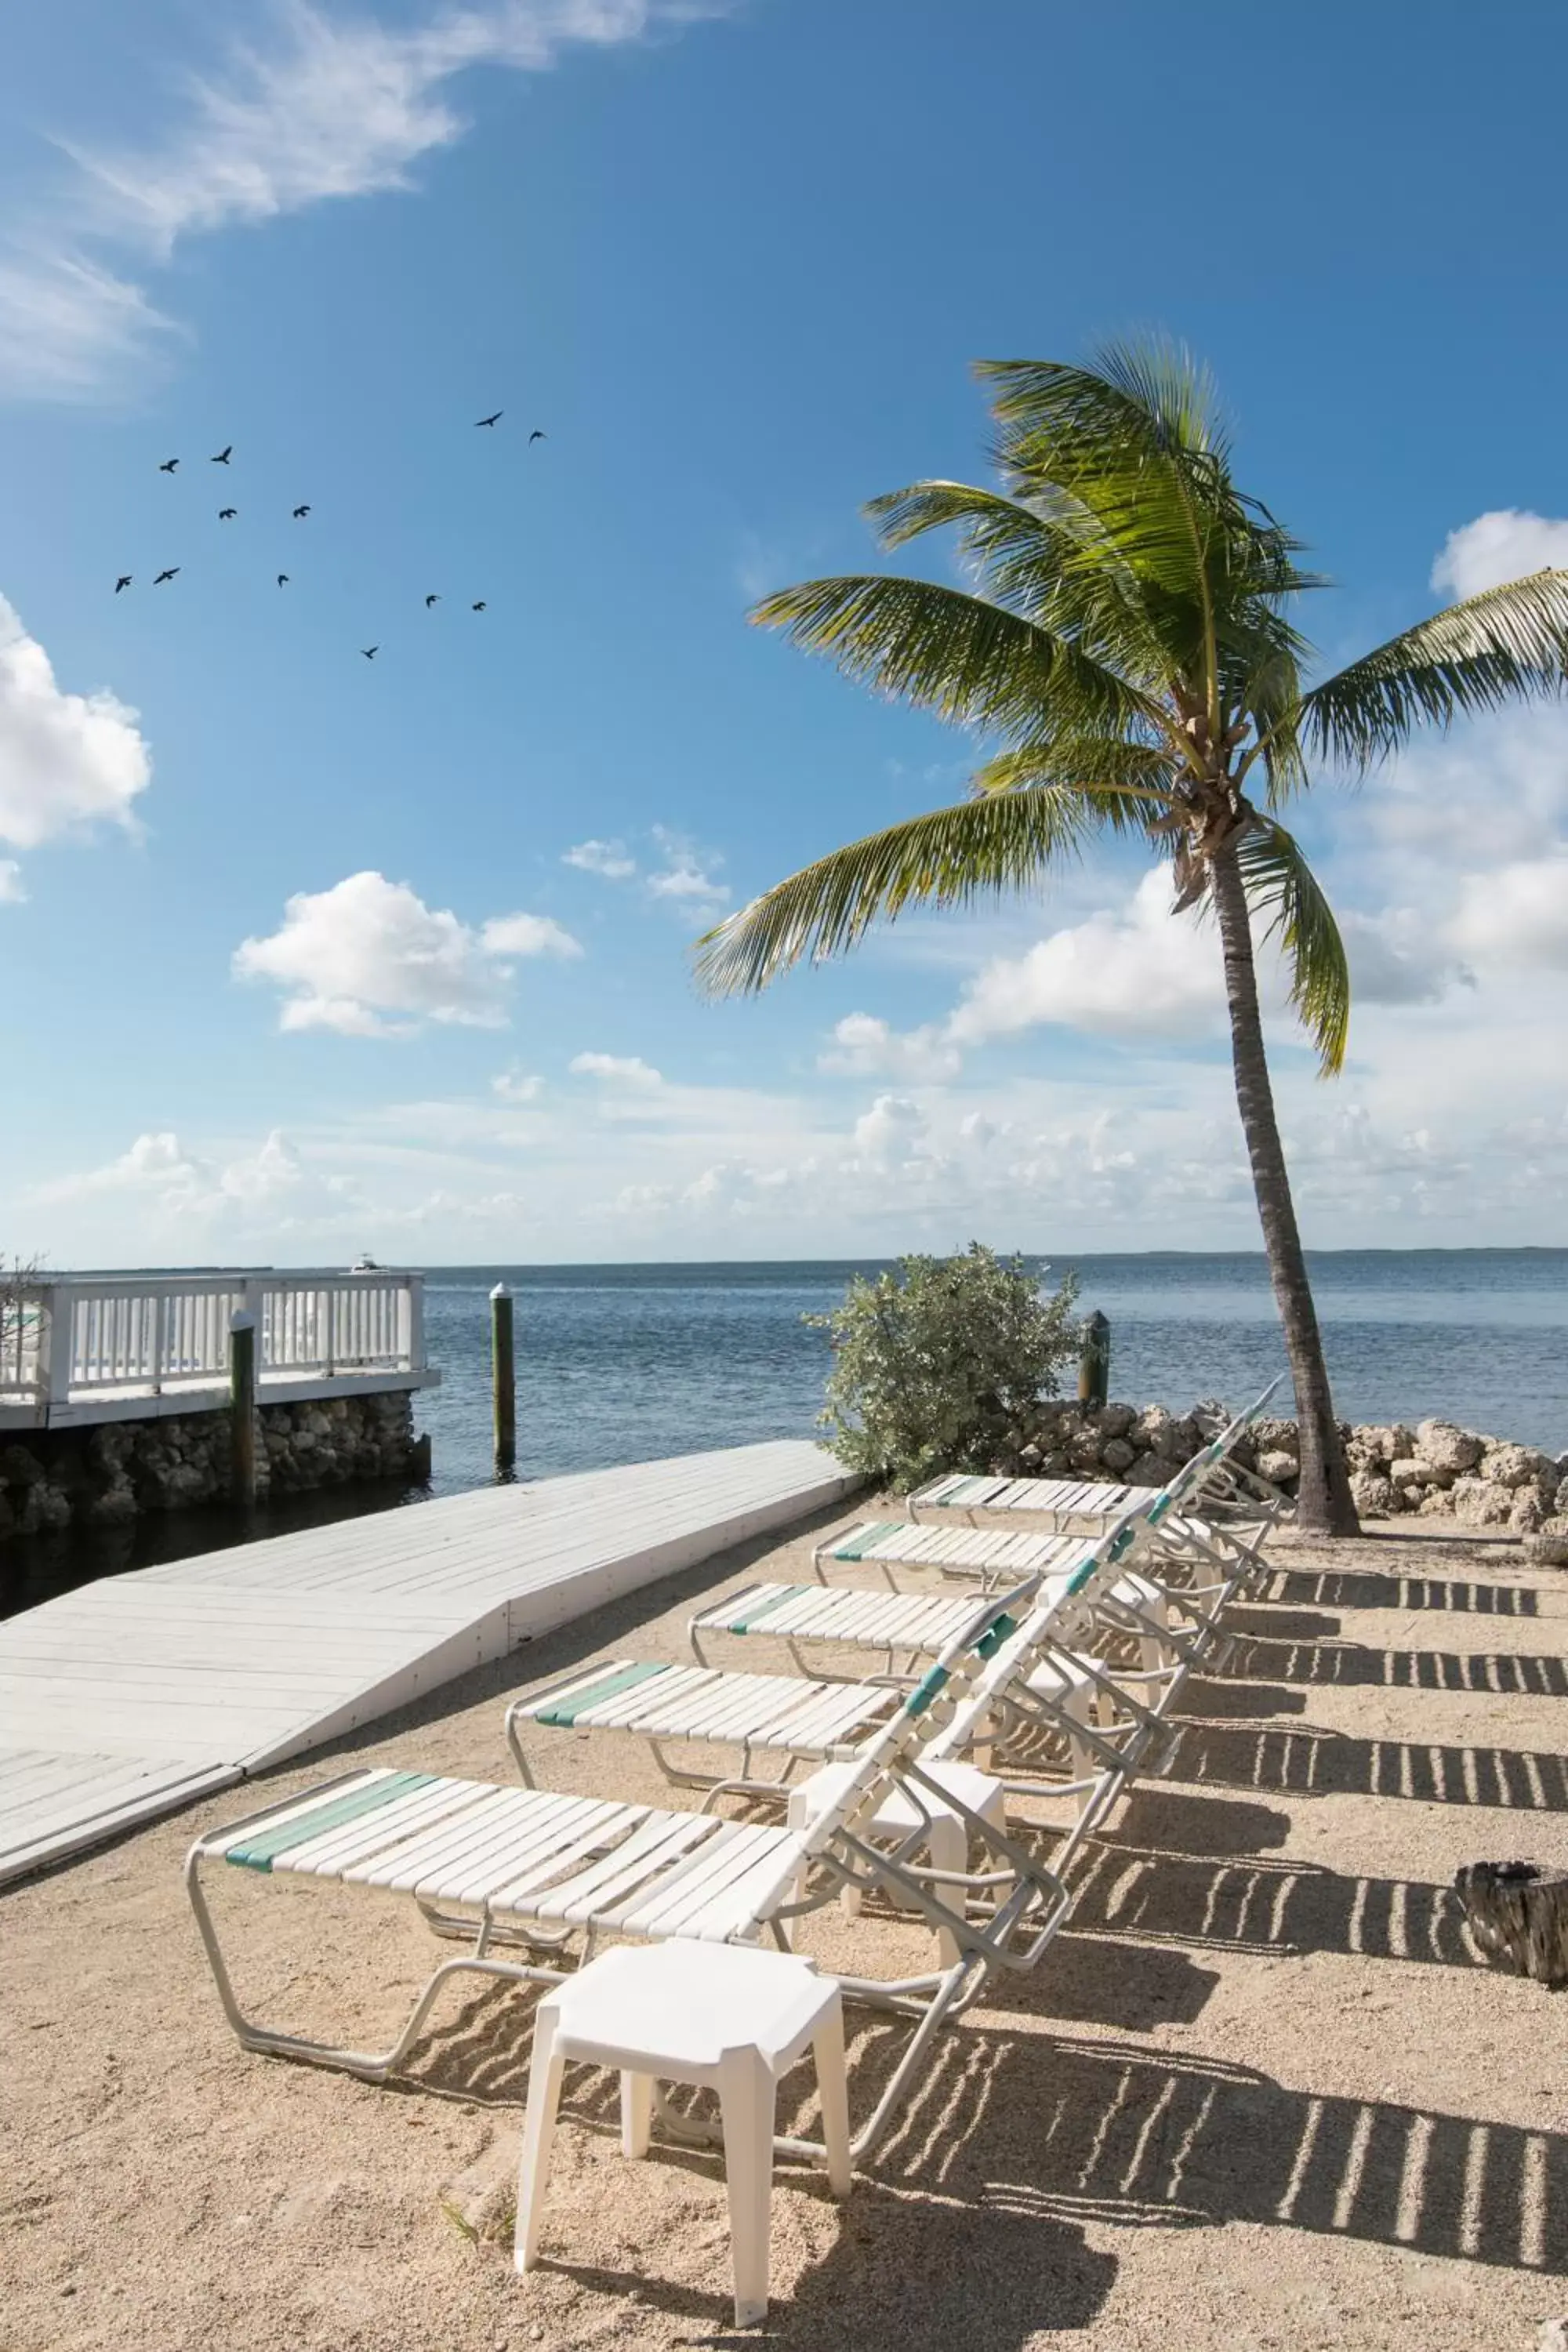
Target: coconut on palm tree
{"points": [[1128, 654]]}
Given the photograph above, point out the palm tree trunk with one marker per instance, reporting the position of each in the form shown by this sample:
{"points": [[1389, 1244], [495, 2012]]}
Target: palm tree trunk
{"points": [[1324, 1501]]}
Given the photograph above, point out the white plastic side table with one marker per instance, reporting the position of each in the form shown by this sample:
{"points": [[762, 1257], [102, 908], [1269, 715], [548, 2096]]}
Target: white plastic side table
{"points": [[723, 2015]]}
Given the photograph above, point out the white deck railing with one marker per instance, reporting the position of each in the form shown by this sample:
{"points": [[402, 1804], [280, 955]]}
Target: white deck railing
{"points": [[66, 1339]]}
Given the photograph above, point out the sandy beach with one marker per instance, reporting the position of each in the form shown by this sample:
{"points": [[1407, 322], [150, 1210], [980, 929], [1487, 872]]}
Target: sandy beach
{"points": [[1262, 2092]]}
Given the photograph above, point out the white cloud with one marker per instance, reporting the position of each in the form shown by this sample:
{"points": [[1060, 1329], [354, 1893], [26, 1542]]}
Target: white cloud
{"points": [[616, 1069], [514, 1086], [268, 1182], [1502, 545], [607, 858], [866, 1045], [68, 761], [319, 106], [13, 890], [1516, 915], [687, 877], [891, 1130], [527, 935], [1396, 957], [369, 959], [1144, 972]]}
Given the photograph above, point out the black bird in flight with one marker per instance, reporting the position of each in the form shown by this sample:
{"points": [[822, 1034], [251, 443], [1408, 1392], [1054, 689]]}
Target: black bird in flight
{"points": [[168, 465], [123, 582], [227, 514], [223, 456], [165, 575], [478, 607], [537, 436], [282, 580], [300, 512], [369, 652], [431, 600], [489, 420]]}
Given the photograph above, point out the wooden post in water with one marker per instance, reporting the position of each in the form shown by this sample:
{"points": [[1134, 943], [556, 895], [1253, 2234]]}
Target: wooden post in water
{"points": [[503, 1380], [1094, 1362], [242, 1407]]}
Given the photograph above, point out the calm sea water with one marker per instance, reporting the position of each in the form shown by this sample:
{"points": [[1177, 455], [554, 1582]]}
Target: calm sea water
{"points": [[624, 1363]]}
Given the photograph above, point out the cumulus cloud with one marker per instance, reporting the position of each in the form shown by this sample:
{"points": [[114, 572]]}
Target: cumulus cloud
{"points": [[1502, 545], [316, 106], [1397, 958], [272, 1181], [369, 959], [891, 1130], [1517, 915], [515, 1086], [866, 1045], [68, 761], [1143, 972], [607, 858], [616, 1069]]}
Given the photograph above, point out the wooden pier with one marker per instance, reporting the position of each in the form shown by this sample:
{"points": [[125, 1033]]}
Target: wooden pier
{"points": [[134, 1694]]}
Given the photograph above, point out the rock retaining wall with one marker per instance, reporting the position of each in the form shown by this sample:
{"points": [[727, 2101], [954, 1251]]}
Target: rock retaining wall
{"points": [[1436, 1469], [102, 1476]]}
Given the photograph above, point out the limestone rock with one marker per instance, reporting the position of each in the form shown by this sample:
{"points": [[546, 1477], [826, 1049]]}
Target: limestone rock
{"points": [[1153, 1428], [1281, 1469], [1374, 1495], [1436, 1503], [1029, 1457], [1478, 1503], [1115, 1420], [1147, 1470], [1409, 1470], [1116, 1453], [1513, 1466], [1446, 1447], [20, 1468], [1526, 1512]]}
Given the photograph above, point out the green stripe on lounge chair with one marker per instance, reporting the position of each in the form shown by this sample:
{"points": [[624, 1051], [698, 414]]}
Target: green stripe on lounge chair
{"points": [[563, 1712], [259, 1853], [962, 1489], [754, 1613], [854, 1543]]}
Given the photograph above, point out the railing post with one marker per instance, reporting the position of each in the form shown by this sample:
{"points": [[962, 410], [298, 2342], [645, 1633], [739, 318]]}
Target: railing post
{"points": [[415, 1297], [242, 1347], [503, 1380], [55, 1344]]}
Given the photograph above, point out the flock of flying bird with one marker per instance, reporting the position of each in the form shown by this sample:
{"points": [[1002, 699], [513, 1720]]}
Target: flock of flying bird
{"points": [[300, 514]]}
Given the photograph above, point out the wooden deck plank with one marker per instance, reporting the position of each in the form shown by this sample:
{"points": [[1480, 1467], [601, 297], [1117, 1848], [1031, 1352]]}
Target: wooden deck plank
{"points": [[128, 1697]]}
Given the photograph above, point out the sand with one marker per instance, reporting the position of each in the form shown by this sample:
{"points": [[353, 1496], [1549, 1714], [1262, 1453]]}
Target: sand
{"points": [[1261, 2094]]}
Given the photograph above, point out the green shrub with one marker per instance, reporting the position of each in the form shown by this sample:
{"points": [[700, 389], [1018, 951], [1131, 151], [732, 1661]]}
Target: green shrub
{"points": [[932, 1364]]}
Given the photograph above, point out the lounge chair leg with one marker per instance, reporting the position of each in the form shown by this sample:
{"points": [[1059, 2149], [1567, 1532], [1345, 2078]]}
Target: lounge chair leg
{"points": [[538, 2139]]}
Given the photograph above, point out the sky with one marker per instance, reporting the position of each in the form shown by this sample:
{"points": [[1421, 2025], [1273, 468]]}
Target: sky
{"points": [[304, 954]]}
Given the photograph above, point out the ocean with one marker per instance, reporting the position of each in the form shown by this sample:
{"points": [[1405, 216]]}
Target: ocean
{"points": [[624, 1363]]}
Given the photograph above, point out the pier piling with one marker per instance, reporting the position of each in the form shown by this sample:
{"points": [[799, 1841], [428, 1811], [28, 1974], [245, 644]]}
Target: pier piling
{"points": [[1094, 1362], [242, 1407], [503, 1380]]}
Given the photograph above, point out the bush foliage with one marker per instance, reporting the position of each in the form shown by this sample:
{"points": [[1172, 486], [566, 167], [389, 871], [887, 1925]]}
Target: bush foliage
{"points": [[932, 1363]]}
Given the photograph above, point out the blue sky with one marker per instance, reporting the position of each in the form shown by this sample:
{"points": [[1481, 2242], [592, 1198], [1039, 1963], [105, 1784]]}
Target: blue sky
{"points": [[304, 954]]}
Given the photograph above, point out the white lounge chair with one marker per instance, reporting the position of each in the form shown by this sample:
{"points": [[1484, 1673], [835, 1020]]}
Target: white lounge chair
{"points": [[1062, 1691], [1211, 1514], [521, 1867]]}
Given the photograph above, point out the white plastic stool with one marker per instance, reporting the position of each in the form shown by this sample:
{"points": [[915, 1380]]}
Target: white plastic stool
{"points": [[722, 2014], [947, 1843]]}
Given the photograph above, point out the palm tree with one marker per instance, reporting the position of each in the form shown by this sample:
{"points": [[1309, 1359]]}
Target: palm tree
{"points": [[1127, 649]]}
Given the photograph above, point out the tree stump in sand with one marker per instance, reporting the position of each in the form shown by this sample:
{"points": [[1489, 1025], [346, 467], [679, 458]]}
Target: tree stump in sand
{"points": [[1518, 1911]]}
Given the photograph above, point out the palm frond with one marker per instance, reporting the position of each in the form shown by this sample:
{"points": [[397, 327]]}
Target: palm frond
{"points": [[1508, 644], [1129, 784], [1281, 886], [963, 657], [981, 848]]}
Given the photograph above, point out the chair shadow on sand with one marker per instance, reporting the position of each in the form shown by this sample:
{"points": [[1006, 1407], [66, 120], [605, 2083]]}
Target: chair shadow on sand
{"points": [[1349, 1666], [1307, 1761]]}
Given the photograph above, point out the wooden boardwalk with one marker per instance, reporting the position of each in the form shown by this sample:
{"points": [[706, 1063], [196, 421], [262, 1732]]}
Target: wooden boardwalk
{"points": [[130, 1696]]}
